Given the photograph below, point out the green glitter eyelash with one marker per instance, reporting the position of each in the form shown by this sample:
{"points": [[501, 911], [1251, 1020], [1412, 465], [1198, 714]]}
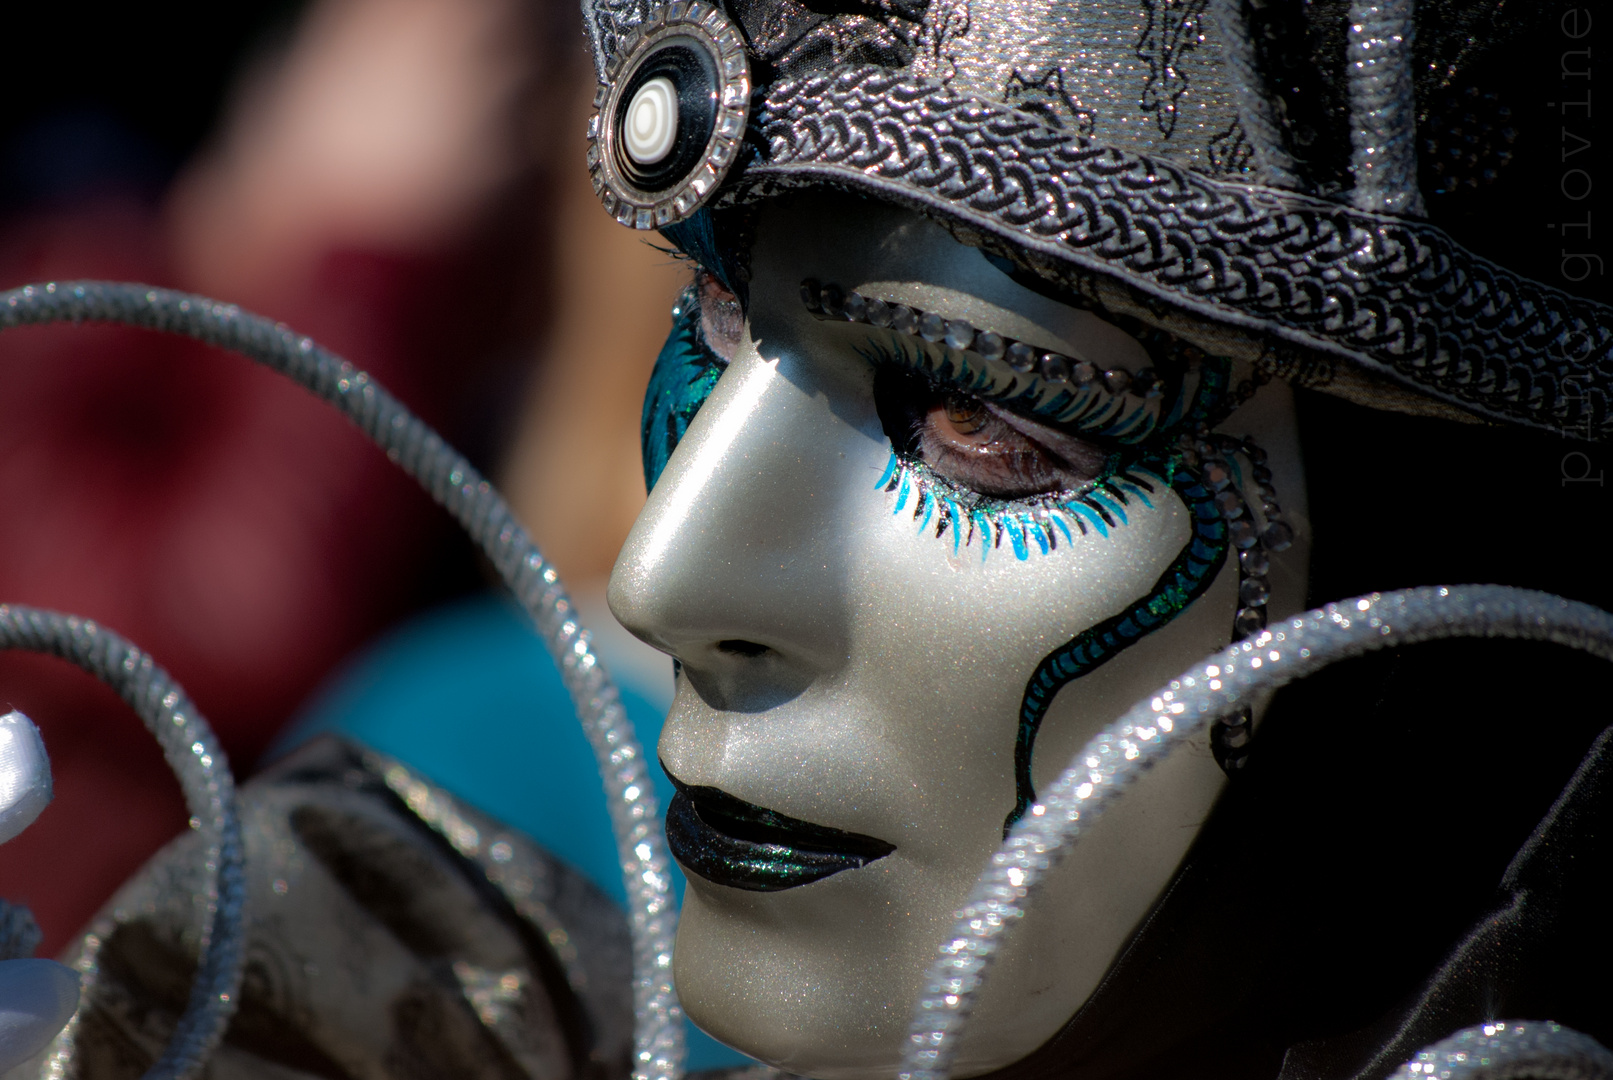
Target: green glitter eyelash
{"points": [[1065, 391], [1091, 411]]}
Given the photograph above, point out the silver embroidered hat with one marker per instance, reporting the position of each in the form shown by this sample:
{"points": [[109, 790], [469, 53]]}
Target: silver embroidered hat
{"points": [[1144, 156]]}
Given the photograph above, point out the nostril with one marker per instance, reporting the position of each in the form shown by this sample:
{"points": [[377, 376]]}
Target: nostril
{"points": [[741, 647]]}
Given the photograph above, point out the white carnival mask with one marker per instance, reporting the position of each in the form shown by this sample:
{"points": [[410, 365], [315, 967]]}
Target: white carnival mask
{"points": [[864, 553]]}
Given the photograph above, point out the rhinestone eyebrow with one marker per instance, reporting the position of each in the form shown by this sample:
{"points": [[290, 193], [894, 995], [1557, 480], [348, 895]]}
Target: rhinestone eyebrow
{"points": [[831, 303]]}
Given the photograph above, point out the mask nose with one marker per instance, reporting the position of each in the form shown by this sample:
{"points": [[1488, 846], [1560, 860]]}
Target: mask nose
{"points": [[732, 567]]}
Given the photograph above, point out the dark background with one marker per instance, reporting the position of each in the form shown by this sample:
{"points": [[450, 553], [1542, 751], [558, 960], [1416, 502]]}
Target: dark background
{"points": [[1492, 144], [116, 93]]}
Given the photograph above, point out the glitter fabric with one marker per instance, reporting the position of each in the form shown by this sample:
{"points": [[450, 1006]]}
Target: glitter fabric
{"points": [[1208, 691], [1391, 295], [449, 478], [1511, 1050], [1124, 151], [188, 744], [1383, 108]]}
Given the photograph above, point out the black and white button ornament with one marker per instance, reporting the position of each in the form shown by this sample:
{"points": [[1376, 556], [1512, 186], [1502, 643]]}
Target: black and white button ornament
{"points": [[669, 115], [650, 125]]}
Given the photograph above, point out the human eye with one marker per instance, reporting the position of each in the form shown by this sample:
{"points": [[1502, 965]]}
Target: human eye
{"points": [[978, 445], [1009, 442], [966, 464]]}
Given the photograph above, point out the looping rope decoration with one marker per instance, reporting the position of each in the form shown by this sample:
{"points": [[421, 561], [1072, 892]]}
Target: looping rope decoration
{"points": [[1216, 688], [1103, 770], [456, 486], [194, 755], [1511, 1050]]}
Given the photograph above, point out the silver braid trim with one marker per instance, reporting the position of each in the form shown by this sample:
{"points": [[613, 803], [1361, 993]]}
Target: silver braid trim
{"points": [[1383, 108], [1511, 1050], [194, 755], [450, 480], [607, 23], [1391, 295], [1206, 692], [1272, 161]]}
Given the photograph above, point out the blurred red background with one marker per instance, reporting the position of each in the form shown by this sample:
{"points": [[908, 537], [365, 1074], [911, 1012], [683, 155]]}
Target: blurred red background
{"points": [[382, 175]]}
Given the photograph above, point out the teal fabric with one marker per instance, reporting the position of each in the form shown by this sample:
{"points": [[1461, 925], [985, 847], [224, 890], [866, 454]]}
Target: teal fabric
{"points": [[467, 695]]}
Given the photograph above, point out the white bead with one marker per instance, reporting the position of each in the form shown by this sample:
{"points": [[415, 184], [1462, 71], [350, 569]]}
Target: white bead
{"points": [[651, 123], [24, 774]]}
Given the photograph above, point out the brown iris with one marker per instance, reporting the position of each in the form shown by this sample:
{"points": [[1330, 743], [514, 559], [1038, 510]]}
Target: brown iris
{"points": [[977, 445], [967, 415]]}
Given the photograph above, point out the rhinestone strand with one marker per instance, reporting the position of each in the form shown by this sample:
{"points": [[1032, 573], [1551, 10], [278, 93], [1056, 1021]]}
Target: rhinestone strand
{"points": [[1112, 761], [832, 303], [455, 485], [1254, 543]]}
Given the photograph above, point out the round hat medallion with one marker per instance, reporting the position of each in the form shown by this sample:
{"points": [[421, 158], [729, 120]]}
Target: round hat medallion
{"points": [[669, 115]]}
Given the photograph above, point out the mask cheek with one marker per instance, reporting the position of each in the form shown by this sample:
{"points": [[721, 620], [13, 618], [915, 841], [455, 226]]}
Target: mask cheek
{"points": [[1082, 707], [1089, 907], [1096, 899]]}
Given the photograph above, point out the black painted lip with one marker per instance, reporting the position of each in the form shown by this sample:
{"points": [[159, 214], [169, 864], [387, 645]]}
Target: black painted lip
{"points": [[729, 841]]}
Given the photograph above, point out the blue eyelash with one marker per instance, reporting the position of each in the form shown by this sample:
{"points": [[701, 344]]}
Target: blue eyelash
{"points": [[1031, 525]]}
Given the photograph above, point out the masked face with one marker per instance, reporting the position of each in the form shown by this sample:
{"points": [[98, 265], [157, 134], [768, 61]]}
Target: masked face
{"points": [[861, 554]]}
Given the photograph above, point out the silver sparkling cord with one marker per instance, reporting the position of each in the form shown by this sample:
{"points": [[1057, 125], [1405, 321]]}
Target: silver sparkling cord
{"points": [[1115, 758], [456, 486], [1383, 108], [1511, 1050], [188, 744]]}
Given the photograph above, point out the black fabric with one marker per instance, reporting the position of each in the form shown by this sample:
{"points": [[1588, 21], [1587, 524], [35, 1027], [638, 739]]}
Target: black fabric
{"points": [[1539, 951], [793, 37], [1301, 50], [1378, 817], [1420, 840]]}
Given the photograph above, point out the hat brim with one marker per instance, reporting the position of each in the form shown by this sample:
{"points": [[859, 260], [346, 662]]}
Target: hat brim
{"points": [[1384, 309]]}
